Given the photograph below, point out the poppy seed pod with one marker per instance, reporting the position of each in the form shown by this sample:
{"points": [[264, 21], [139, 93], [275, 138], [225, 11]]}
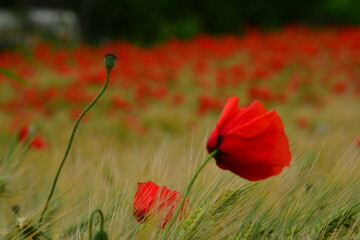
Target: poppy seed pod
{"points": [[101, 235], [250, 141], [109, 61]]}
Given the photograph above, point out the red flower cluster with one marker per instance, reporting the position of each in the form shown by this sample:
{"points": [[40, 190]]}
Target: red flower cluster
{"points": [[270, 66], [36, 142], [156, 203], [208, 103], [251, 141]]}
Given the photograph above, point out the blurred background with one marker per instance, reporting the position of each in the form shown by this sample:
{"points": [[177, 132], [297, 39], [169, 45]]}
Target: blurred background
{"points": [[149, 22]]}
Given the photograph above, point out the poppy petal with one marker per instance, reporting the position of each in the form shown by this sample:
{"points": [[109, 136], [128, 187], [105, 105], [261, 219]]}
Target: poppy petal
{"points": [[253, 142]]}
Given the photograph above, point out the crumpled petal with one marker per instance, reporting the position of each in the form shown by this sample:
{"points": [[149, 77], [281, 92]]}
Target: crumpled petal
{"points": [[156, 202]]}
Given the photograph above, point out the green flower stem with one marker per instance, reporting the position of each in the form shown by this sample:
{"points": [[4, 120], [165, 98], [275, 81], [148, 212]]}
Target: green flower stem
{"points": [[92, 220], [173, 219], [70, 143]]}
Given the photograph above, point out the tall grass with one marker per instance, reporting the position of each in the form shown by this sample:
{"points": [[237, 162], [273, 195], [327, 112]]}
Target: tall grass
{"points": [[317, 197]]}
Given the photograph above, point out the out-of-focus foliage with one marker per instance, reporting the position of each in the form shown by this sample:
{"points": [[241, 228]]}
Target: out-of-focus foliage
{"points": [[151, 21]]}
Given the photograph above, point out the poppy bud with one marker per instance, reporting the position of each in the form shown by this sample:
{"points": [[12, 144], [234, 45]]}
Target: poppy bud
{"points": [[109, 61], [101, 235]]}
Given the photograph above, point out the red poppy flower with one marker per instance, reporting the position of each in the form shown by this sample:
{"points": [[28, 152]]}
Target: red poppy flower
{"points": [[302, 122], [38, 143], [23, 133], [155, 202], [251, 141]]}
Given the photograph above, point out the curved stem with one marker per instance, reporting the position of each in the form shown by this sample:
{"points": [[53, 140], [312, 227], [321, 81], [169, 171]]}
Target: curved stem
{"points": [[92, 219], [70, 143], [173, 219]]}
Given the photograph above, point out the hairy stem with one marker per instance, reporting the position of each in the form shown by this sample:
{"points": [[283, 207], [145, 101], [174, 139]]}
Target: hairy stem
{"points": [[70, 143], [92, 220], [173, 219]]}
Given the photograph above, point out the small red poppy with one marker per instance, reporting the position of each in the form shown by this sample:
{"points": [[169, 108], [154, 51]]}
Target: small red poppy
{"points": [[155, 202], [251, 141], [357, 141], [302, 122], [23, 133], [38, 143]]}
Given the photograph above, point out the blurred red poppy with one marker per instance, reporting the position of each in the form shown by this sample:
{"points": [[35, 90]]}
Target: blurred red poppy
{"points": [[155, 202], [38, 143], [251, 141], [357, 141], [23, 133], [302, 122]]}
